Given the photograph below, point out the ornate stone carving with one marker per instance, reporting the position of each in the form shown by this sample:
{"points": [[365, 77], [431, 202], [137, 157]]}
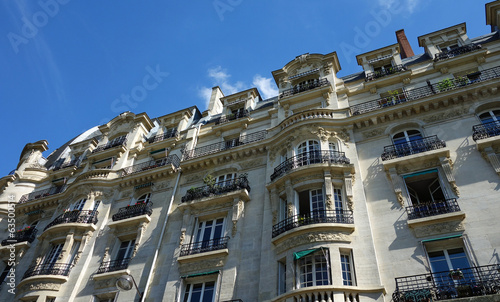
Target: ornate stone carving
{"points": [[182, 237], [311, 238], [373, 133], [323, 134], [251, 163], [446, 115], [201, 265], [439, 228], [160, 186], [329, 203], [234, 229], [289, 210]]}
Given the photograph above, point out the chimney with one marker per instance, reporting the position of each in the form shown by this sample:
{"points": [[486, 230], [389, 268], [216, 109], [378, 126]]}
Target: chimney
{"points": [[404, 45]]}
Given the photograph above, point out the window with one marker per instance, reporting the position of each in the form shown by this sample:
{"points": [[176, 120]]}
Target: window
{"points": [[209, 233], [53, 255], [96, 205], [338, 202], [78, 206], [50, 299], [313, 268], [308, 153], [108, 297], [283, 211], [347, 269], [125, 252], [117, 140], [490, 117], [311, 202], [145, 198], [225, 179], [200, 292], [4, 274], [282, 276], [424, 187], [383, 69]]}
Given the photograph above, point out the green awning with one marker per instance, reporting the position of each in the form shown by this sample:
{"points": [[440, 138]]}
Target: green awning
{"points": [[157, 151], [420, 173], [200, 274], [149, 184], [298, 255], [442, 238]]}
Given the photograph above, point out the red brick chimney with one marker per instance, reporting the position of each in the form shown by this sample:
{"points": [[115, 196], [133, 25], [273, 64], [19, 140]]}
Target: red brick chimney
{"points": [[404, 45]]}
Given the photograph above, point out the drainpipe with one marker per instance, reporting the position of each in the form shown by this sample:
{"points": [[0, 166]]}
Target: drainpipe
{"points": [[161, 237]]}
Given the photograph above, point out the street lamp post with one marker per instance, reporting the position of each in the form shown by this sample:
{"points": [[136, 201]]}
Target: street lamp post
{"points": [[126, 282]]}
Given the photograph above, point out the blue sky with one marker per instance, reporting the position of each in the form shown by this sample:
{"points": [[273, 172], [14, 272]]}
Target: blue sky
{"points": [[69, 65]]}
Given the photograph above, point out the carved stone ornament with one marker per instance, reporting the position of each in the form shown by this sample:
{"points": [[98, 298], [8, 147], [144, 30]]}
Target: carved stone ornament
{"points": [[160, 186], [323, 134], [448, 114], [439, 228], [290, 210], [312, 237], [201, 265], [373, 133], [234, 229], [40, 286], [329, 203], [182, 237], [350, 203]]}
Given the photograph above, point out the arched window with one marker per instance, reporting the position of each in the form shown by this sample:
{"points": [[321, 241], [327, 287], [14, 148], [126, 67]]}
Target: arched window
{"points": [[406, 136], [308, 152], [490, 116], [144, 198]]}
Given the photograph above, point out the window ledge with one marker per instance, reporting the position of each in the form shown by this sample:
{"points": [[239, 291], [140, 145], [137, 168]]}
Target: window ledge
{"points": [[41, 282], [204, 255], [110, 275], [412, 159], [130, 221], [328, 289], [487, 142], [437, 219], [67, 226], [221, 199]]}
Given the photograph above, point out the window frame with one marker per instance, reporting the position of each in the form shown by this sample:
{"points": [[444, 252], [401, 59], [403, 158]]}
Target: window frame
{"points": [[301, 264], [350, 271], [442, 185]]}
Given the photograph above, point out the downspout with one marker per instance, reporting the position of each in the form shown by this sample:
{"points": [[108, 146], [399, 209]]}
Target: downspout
{"points": [[161, 237]]}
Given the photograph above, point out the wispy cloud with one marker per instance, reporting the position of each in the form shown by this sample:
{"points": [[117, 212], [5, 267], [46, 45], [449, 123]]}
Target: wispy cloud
{"points": [[220, 77]]}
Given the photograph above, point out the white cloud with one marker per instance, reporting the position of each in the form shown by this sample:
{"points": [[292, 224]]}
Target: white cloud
{"points": [[220, 77], [265, 86]]}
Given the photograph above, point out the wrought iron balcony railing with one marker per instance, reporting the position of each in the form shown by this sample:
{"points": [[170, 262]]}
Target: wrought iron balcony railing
{"points": [[66, 165], [432, 208], [486, 130], [133, 211], [114, 265], [324, 216], [231, 117], [413, 147], [20, 236], [456, 52], [219, 147], [218, 188], [75, 216], [204, 246], [309, 158], [112, 144], [304, 87], [152, 164], [370, 76], [428, 90], [463, 282], [59, 269], [40, 194], [169, 134]]}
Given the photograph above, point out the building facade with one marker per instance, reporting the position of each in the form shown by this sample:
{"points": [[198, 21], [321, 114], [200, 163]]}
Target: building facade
{"points": [[378, 186]]}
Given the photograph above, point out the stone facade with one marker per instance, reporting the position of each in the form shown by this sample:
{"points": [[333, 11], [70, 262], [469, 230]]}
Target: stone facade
{"points": [[358, 188]]}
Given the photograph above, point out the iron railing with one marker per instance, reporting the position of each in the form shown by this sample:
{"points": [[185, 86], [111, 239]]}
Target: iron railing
{"points": [[304, 87], [413, 147], [425, 91], [486, 130], [114, 265], [75, 216], [66, 165], [60, 269], [218, 147], [133, 211], [204, 246], [324, 216], [169, 134], [370, 76], [20, 236], [40, 194], [222, 187], [155, 163], [463, 282], [120, 142], [231, 117], [432, 208], [456, 52], [309, 158]]}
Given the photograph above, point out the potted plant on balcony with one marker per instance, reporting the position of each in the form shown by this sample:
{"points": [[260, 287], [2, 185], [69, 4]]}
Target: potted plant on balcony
{"points": [[445, 84], [456, 274]]}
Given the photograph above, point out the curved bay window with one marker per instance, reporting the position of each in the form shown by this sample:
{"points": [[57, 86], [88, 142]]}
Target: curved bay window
{"points": [[313, 268], [308, 152]]}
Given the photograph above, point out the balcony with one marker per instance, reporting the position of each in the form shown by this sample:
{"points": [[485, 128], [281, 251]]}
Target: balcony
{"points": [[71, 163], [370, 76], [40, 194], [301, 88], [112, 266], [219, 147], [152, 164], [428, 90], [486, 130], [456, 52], [204, 246], [309, 158], [432, 208], [238, 183], [169, 134], [76, 216], [133, 211], [58, 269], [231, 117], [465, 282], [27, 234], [112, 144], [413, 147], [325, 216]]}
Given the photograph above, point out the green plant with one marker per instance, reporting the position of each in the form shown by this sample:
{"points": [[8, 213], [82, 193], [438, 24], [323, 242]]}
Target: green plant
{"points": [[462, 80], [445, 84], [456, 274], [209, 180]]}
